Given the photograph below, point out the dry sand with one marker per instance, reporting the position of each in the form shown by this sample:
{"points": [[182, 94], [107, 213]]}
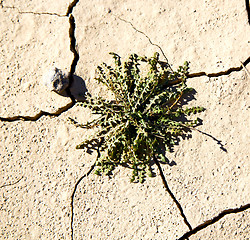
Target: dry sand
{"points": [[39, 165]]}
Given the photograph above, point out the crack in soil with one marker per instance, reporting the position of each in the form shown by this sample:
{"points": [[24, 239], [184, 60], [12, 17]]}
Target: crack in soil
{"points": [[248, 10], [150, 41], [69, 10], [73, 46], [38, 115], [214, 220], [71, 7], [11, 184], [76, 185], [30, 12], [171, 194], [221, 73], [72, 199]]}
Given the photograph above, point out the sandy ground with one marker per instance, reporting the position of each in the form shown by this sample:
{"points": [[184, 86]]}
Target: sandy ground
{"points": [[39, 165]]}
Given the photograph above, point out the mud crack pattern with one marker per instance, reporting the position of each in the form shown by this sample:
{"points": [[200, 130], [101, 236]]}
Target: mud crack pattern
{"points": [[73, 40]]}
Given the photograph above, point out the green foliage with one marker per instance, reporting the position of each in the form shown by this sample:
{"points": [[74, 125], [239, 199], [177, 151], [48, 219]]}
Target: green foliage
{"points": [[143, 120]]}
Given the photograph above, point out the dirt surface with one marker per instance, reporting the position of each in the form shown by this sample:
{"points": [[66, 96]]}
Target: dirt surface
{"points": [[208, 175]]}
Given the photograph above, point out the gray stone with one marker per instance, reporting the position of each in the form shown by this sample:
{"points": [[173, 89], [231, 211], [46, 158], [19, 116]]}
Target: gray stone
{"points": [[56, 80]]}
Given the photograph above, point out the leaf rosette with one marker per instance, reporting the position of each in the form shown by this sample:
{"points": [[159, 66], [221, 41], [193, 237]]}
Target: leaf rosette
{"points": [[144, 119]]}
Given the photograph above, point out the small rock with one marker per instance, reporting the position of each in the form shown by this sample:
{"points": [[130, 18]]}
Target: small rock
{"points": [[56, 80]]}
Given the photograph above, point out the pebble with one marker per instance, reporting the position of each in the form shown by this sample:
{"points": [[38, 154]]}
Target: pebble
{"points": [[56, 80]]}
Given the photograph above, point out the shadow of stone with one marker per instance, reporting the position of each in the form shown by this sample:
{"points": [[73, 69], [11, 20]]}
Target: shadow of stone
{"points": [[77, 89]]}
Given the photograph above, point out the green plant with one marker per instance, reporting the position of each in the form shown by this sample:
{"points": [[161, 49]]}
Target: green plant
{"points": [[145, 117]]}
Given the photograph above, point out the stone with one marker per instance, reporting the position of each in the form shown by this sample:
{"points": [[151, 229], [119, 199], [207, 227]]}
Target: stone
{"points": [[56, 80]]}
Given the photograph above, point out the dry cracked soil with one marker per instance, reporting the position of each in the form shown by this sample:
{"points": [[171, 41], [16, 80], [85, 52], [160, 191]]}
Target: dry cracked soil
{"points": [[47, 187]]}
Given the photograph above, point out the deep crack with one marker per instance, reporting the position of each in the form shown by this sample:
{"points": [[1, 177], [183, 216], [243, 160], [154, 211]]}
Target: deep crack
{"points": [[71, 6], [73, 45], [221, 73], [248, 10], [171, 194], [39, 115], [214, 220]]}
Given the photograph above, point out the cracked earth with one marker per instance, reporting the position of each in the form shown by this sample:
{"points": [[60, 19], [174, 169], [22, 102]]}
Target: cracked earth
{"points": [[47, 187]]}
